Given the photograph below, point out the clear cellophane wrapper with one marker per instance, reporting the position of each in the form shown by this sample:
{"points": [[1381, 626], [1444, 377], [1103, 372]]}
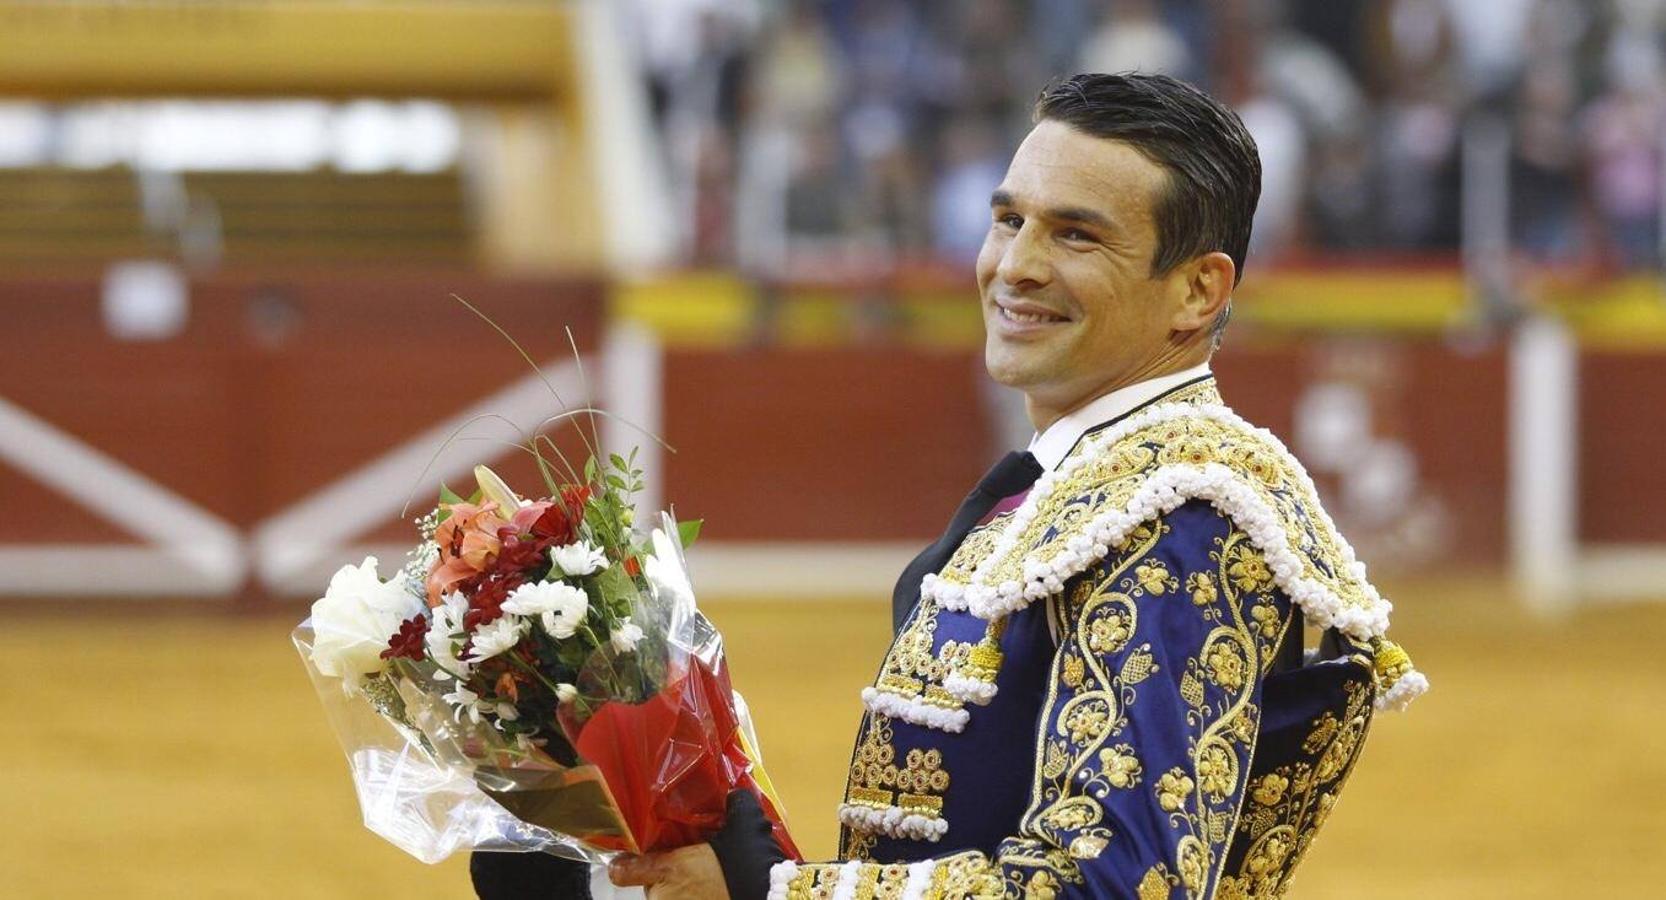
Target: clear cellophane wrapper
{"points": [[648, 770]]}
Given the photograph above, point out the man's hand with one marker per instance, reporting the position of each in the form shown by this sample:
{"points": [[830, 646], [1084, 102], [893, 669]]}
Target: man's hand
{"points": [[687, 873], [733, 865]]}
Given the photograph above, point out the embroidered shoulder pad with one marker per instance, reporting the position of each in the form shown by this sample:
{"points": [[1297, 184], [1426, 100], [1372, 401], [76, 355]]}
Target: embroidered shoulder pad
{"points": [[1128, 475]]}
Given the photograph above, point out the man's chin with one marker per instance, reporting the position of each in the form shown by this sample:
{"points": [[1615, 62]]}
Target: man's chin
{"points": [[1010, 372]]}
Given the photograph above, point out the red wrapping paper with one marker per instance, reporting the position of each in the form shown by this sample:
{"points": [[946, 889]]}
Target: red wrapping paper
{"points": [[670, 762]]}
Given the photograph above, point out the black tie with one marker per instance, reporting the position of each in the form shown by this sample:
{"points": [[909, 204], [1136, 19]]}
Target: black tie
{"points": [[1015, 472]]}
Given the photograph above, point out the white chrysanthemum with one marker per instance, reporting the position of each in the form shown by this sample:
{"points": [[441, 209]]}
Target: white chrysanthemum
{"points": [[490, 640], [354, 619], [578, 558], [464, 702], [625, 636], [564, 692], [559, 606], [444, 636]]}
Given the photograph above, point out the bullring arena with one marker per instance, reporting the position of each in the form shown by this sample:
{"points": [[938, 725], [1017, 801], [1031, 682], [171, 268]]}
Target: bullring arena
{"points": [[221, 381]]}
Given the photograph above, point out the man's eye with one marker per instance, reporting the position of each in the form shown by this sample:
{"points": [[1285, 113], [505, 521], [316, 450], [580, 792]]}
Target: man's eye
{"points": [[1076, 234], [1011, 220]]}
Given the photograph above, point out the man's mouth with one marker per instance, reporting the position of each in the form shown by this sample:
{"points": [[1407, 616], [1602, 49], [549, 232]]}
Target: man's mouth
{"points": [[1027, 314]]}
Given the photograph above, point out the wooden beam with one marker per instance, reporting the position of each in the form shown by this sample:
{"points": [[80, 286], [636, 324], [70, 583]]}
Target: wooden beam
{"points": [[449, 50]]}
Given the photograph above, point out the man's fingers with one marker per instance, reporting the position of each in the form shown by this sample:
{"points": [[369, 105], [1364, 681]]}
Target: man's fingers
{"points": [[636, 871]]}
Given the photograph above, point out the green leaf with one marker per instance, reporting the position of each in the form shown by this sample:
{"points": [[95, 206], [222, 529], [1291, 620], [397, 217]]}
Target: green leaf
{"points": [[615, 482], [590, 470], [618, 462], [573, 654], [689, 532], [447, 498], [616, 588]]}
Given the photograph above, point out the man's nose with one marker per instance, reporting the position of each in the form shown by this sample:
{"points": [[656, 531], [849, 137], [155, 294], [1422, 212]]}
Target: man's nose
{"points": [[1025, 262]]}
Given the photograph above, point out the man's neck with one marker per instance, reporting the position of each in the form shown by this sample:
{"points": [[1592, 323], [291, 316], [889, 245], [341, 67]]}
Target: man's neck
{"points": [[1052, 444], [1043, 415]]}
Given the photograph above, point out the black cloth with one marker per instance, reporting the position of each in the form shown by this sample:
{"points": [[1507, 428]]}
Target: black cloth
{"points": [[528, 876], [746, 848], [1016, 471]]}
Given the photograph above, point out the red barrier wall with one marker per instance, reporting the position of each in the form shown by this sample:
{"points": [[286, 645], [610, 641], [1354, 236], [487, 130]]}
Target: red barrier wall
{"points": [[279, 384]]}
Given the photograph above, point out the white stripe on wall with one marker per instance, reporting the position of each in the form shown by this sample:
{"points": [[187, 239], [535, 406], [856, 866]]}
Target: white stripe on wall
{"points": [[209, 547], [107, 570], [294, 540]]}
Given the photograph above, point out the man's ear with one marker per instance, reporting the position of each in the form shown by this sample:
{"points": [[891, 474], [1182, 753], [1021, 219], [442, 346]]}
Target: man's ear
{"points": [[1205, 287]]}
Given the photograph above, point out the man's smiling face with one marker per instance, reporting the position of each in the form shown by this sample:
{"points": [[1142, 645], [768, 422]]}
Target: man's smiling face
{"points": [[1070, 307]]}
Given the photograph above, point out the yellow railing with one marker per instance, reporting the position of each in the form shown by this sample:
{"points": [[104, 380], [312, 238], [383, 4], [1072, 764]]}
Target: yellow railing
{"points": [[717, 308]]}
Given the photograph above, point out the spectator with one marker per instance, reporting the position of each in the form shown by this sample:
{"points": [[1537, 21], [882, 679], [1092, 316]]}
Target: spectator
{"points": [[974, 161], [878, 126], [1623, 133], [1416, 130], [1544, 209], [1133, 36]]}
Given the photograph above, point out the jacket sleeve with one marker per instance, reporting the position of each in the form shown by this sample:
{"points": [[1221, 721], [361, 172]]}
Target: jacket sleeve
{"points": [[527, 876], [1145, 740]]}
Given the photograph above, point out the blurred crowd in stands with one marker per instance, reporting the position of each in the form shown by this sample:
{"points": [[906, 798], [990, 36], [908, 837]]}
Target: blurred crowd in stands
{"points": [[832, 135]]}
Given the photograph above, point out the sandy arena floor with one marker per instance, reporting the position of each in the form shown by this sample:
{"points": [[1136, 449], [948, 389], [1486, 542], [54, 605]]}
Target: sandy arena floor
{"points": [[185, 756]]}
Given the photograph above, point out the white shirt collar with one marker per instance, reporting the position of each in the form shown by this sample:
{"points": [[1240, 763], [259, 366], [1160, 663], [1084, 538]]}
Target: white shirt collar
{"points": [[1050, 447]]}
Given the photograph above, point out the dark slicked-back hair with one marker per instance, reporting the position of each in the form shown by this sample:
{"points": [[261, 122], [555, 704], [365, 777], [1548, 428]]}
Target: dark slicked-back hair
{"points": [[1214, 172]]}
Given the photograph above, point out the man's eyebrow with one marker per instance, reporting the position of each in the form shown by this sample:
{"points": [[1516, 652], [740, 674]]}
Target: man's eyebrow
{"points": [[1080, 214], [1060, 213]]}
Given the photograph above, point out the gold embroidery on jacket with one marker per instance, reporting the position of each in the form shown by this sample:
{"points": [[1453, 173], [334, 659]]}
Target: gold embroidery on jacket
{"points": [[1204, 392], [1287, 806], [1217, 684], [1098, 621], [917, 786], [857, 845], [962, 876], [1078, 755], [1110, 478], [912, 669], [1155, 884], [911, 664], [1033, 865], [1079, 762]]}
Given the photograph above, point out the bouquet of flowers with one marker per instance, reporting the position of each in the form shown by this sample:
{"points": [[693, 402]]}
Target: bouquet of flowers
{"points": [[537, 677]]}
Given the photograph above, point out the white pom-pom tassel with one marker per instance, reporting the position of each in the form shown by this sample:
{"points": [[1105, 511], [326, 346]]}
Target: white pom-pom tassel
{"points": [[850, 875], [919, 879], [969, 690], [1406, 688], [915, 711], [781, 877]]}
